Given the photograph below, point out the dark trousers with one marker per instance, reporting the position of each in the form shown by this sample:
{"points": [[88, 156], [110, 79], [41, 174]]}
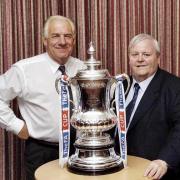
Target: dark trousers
{"points": [[37, 154]]}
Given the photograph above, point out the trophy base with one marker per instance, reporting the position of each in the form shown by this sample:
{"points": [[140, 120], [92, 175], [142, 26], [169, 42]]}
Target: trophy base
{"points": [[94, 155], [95, 162], [95, 172]]}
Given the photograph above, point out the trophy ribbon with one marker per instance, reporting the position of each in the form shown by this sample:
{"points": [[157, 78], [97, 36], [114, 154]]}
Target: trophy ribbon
{"points": [[64, 135], [121, 114]]}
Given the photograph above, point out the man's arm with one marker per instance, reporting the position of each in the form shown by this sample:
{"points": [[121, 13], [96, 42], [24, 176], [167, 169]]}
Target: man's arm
{"points": [[169, 156], [24, 134], [10, 87]]}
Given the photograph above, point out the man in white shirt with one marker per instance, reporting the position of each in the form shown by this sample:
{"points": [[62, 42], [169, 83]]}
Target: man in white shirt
{"points": [[32, 81]]}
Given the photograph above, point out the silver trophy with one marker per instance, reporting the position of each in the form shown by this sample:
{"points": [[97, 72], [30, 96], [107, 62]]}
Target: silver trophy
{"points": [[92, 117]]}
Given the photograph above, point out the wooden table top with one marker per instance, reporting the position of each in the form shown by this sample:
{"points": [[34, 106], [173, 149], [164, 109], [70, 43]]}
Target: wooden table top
{"points": [[134, 171]]}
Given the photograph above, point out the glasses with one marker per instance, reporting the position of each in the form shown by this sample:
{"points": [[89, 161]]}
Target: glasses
{"points": [[55, 37]]}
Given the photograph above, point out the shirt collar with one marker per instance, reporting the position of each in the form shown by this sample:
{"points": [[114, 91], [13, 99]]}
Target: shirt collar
{"points": [[54, 65], [143, 84], [68, 65]]}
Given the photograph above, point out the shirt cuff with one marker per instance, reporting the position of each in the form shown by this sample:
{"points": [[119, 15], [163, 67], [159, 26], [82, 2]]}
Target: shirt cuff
{"points": [[16, 126]]}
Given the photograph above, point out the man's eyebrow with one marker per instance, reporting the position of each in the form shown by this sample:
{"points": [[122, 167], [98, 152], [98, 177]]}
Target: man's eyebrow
{"points": [[62, 33], [54, 33]]}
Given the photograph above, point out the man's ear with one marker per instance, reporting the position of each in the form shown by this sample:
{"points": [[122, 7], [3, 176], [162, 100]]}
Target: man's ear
{"points": [[159, 59], [74, 39], [44, 41]]}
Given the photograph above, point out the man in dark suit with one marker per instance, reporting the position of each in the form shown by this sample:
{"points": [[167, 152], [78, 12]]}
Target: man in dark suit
{"points": [[154, 120]]}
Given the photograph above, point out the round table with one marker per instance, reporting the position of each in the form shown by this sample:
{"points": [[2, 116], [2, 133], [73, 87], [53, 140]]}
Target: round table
{"points": [[134, 171]]}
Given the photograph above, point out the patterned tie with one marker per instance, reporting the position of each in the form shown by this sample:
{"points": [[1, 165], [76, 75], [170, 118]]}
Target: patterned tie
{"points": [[130, 107], [62, 69]]}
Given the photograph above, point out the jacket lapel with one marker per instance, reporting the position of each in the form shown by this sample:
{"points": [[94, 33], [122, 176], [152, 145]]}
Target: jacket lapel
{"points": [[149, 98]]}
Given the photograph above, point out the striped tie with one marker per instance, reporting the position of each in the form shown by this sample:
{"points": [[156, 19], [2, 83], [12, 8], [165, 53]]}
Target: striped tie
{"points": [[130, 107]]}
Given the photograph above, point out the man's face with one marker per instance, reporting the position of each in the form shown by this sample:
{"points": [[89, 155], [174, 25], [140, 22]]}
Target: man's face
{"points": [[60, 41], [144, 60]]}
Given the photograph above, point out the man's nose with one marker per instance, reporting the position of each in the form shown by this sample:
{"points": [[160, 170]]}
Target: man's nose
{"points": [[62, 39], [140, 57]]}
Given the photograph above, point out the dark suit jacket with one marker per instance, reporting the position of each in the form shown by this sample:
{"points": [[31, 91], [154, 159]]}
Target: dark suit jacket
{"points": [[154, 132]]}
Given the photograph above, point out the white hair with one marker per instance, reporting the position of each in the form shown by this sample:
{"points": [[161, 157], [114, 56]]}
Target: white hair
{"points": [[140, 37], [57, 18]]}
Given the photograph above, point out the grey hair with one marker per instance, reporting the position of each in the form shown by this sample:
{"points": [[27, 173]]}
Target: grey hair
{"points": [[140, 37], [57, 18]]}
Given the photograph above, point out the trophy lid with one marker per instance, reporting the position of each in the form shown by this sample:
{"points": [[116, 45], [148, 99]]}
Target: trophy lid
{"points": [[93, 71]]}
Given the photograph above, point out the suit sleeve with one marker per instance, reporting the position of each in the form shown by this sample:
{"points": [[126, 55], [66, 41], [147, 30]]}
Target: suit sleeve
{"points": [[171, 151]]}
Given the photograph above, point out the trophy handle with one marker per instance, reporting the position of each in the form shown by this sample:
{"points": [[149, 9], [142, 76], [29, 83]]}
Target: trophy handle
{"points": [[76, 94], [57, 84], [126, 77], [114, 81], [71, 96], [122, 77]]}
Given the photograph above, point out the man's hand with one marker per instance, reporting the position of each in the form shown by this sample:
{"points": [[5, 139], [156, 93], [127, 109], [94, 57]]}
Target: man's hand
{"points": [[156, 169], [24, 134]]}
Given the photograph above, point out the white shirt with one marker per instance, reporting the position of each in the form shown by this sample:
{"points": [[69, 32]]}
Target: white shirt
{"points": [[32, 81], [143, 86]]}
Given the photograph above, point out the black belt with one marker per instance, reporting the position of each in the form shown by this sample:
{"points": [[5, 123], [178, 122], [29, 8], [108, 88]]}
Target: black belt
{"points": [[42, 142]]}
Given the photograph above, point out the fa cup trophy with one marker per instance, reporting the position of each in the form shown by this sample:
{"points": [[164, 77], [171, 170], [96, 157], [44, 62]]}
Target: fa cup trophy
{"points": [[93, 115]]}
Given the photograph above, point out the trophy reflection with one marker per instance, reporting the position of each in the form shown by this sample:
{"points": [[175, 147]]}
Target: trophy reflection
{"points": [[92, 117]]}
